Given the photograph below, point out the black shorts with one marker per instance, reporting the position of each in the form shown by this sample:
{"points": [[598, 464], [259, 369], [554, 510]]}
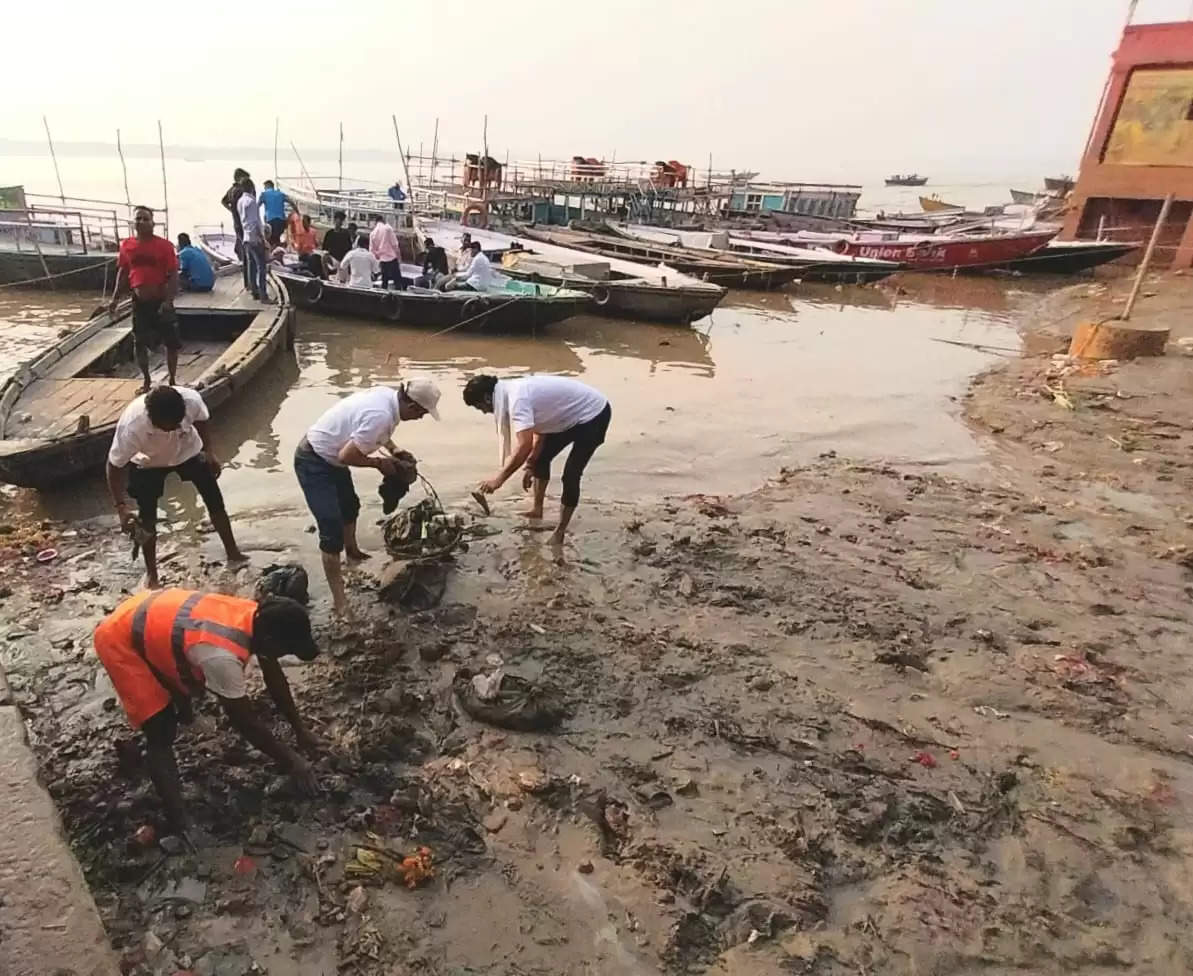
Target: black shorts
{"points": [[146, 486], [585, 438], [153, 327]]}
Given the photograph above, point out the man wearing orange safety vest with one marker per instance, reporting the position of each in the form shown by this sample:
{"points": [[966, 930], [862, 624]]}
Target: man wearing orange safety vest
{"points": [[161, 648]]}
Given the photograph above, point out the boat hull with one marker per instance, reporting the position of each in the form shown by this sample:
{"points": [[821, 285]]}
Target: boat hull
{"points": [[917, 181], [76, 272], [1068, 260], [949, 254], [44, 463], [472, 312], [632, 300]]}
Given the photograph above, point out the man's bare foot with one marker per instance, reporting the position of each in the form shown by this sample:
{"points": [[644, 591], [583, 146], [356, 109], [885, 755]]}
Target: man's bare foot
{"points": [[532, 513], [356, 555], [144, 388], [152, 583], [343, 612], [556, 540], [237, 558]]}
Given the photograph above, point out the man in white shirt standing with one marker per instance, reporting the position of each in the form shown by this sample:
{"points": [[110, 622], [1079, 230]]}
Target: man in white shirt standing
{"points": [[256, 255], [546, 414], [359, 265], [349, 435], [163, 431], [383, 244]]}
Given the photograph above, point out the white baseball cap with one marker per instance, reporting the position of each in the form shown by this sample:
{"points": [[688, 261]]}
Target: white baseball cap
{"points": [[425, 393]]}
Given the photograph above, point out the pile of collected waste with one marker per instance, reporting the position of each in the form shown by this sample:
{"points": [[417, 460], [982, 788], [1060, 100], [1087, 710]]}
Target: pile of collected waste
{"points": [[421, 538]]}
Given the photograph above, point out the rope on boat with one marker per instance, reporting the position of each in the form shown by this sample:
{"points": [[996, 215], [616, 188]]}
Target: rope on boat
{"points": [[60, 274], [488, 311]]}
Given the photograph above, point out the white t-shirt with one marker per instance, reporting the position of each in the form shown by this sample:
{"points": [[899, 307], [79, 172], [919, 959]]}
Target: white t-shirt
{"points": [[137, 441], [222, 670], [480, 272], [367, 419], [250, 218], [551, 404], [358, 268]]}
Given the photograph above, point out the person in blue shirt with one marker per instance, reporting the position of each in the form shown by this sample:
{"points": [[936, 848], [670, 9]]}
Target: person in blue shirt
{"points": [[397, 195], [274, 201], [194, 270]]}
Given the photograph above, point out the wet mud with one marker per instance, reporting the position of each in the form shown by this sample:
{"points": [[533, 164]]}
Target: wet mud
{"points": [[867, 718]]}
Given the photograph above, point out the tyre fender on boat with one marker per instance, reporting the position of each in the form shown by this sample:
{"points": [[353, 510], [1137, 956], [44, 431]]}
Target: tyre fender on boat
{"points": [[391, 304], [600, 295], [472, 308], [480, 211], [841, 247], [312, 291]]}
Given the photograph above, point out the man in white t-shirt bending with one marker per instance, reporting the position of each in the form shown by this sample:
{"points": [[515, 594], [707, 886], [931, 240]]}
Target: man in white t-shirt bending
{"points": [[349, 435], [546, 414], [164, 431]]}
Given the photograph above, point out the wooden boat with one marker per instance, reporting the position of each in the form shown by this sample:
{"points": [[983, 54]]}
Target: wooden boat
{"points": [[939, 252], [1059, 185], [814, 263], [934, 204], [1027, 198], [74, 243], [620, 289], [910, 179], [724, 271], [1069, 257], [58, 412], [513, 307]]}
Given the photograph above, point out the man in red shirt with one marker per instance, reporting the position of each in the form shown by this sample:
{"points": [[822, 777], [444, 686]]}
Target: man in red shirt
{"points": [[148, 265]]}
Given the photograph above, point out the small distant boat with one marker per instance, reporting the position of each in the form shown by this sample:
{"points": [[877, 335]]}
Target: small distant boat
{"points": [[934, 204], [58, 412], [1058, 184], [514, 307], [1027, 197], [909, 179]]}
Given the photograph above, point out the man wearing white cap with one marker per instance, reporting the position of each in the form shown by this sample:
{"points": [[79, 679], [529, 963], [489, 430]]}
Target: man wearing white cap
{"points": [[350, 435]]}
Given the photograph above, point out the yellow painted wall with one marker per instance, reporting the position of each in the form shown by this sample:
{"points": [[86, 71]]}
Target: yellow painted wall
{"points": [[1153, 126]]}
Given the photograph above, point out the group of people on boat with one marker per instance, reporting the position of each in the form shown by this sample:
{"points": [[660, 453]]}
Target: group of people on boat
{"points": [[164, 647]]}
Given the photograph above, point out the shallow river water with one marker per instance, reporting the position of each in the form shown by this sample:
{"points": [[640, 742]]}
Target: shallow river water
{"points": [[768, 379]]}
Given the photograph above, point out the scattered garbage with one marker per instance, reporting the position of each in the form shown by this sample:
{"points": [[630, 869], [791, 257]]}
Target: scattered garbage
{"points": [[487, 686], [394, 487], [357, 901], [482, 501], [516, 704], [47, 555], [145, 836], [925, 759], [286, 579], [375, 862]]}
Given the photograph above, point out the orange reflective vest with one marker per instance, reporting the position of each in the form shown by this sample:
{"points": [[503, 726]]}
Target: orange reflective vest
{"points": [[142, 644]]}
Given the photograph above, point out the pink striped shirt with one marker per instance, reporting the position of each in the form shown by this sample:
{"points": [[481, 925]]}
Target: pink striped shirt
{"points": [[383, 242]]}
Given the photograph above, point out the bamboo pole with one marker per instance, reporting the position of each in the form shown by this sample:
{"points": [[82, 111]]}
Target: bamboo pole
{"points": [[303, 167], [341, 157], [53, 156], [434, 150], [37, 247], [276, 124], [128, 200], [161, 146], [1147, 258]]}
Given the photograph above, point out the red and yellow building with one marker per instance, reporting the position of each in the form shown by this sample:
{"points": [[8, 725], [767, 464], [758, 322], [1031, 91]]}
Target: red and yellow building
{"points": [[1141, 146]]}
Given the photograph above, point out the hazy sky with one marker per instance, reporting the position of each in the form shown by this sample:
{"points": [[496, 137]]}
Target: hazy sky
{"points": [[803, 89]]}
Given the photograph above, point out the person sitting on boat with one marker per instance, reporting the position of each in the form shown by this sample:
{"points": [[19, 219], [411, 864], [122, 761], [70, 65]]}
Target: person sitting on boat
{"points": [[273, 201], [163, 648], [164, 431], [546, 413], [359, 266], [383, 242], [194, 270], [148, 265], [397, 195], [434, 265], [478, 276], [305, 242], [349, 435], [463, 257], [337, 242]]}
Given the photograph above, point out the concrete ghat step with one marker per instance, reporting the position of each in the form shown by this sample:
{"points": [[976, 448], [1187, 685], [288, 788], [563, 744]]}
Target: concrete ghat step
{"points": [[48, 921]]}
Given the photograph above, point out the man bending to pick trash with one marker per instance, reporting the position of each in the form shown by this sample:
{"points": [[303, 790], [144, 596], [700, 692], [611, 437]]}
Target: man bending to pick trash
{"points": [[161, 648], [547, 413]]}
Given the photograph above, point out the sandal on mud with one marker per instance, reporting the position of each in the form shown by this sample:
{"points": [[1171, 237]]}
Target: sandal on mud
{"points": [[517, 704]]}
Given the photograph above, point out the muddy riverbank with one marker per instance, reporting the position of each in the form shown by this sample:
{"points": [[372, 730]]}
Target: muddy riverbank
{"points": [[865, 718]]}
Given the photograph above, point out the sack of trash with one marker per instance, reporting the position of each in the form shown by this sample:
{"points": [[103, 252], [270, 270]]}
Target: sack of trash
{"points": [[415, 585], [287, 579], [422, 530], [394, 487], [508, 701]]}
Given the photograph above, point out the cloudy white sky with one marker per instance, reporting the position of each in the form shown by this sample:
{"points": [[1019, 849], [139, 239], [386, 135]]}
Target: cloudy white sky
{"points": [[801, 88]]}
